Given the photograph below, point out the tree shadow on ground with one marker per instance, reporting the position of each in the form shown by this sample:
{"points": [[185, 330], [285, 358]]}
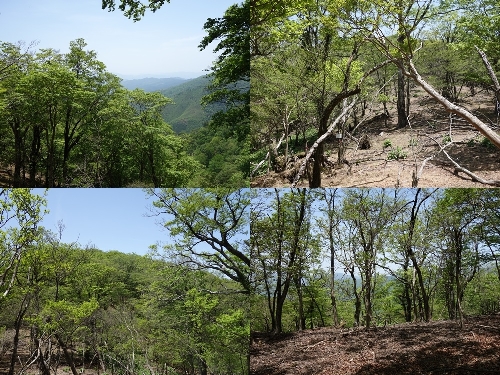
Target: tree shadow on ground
{"points": [[476, 156]]}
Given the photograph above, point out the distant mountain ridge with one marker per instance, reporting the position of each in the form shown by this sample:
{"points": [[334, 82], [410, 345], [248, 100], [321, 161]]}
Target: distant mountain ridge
{"points": [[153, 84], [187, 114]]}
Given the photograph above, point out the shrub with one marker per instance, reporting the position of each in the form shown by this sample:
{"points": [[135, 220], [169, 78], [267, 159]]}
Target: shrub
{"points": [[397, 154]]}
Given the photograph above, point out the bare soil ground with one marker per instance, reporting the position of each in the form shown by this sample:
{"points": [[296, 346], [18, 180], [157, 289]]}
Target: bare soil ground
{"points": [[439, 347], [430, 126]]}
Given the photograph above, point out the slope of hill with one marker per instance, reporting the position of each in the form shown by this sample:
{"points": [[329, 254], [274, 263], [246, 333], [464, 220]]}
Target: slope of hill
{"points": [[187, 114], [438, 347], [153, 84]]}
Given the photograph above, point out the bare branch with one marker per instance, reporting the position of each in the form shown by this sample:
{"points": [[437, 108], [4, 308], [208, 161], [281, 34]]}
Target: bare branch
{"points": [[458, 167]]}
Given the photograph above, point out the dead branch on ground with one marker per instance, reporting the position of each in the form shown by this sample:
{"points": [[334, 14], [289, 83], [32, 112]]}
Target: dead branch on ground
{"points": [[458, 167], [483, 128], [268, 155]]}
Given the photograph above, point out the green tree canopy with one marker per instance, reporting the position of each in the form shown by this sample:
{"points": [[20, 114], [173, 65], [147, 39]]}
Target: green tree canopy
{"points": [[134, 8], [209, 228]]}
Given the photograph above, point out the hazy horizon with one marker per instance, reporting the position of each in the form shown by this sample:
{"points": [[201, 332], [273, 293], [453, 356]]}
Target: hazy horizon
{"points": [[183, 75], [164, 44]]}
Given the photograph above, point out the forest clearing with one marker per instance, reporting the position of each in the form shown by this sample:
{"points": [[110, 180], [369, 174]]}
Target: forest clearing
{"points": [[439, 347]]}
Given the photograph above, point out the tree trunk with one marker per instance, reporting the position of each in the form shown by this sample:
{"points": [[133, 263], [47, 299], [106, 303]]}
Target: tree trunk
{"points": [[368, 297], [204, 367], [279, 315], [330, 200], [322, 129], [401, 101], [416, 297], [151, 158], [317, 166], [41, 359], [286, 125], [50, 138], [357, 303], [408, 97], [278, 299], [18, 151], [302, 319], [68, 137], [316, 144], [494, 79], [34, 155], [406, 297], [67, 355], [271, 301], [458, 286], [315, 181], [335, 314], [17, 326]]}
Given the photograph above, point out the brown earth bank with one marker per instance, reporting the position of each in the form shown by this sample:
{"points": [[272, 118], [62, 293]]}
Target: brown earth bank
{"points": [[439, 347], [419, 147]]}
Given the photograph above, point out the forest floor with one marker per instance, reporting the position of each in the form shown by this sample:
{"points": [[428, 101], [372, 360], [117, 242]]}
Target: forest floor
{"points": [[439, 347], [24, 354], [429, 130]]}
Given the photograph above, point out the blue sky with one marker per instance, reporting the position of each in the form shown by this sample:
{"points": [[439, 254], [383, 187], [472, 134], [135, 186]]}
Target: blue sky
{"points": [[110, 219], [162, 44]]}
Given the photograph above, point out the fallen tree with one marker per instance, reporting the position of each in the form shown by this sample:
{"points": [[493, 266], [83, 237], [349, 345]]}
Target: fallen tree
{"points": [[493, 77], [483, 128]]}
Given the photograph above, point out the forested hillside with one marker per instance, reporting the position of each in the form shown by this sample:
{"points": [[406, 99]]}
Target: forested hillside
{"points": [[223, 144], [152, 84], [188, 113], [352, 258], [76, 309], [65, 121], [371, 93]]}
